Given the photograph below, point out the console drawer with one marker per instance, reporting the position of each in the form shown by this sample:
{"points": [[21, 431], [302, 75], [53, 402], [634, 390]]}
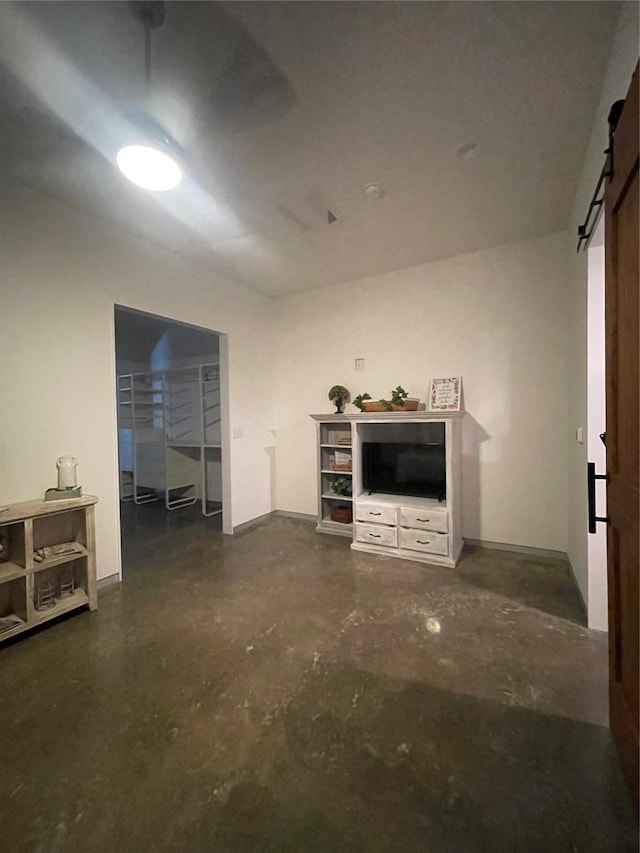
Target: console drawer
{"points": [[419, 540], [376, 513], [425, 519], [377, 534]]}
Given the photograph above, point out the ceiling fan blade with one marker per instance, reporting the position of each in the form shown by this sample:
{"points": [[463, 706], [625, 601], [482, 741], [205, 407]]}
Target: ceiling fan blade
{"points": [[250, 87], [213, 73]]}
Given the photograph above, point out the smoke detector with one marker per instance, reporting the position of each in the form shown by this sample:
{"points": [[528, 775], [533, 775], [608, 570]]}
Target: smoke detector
{"points": [[374, 191]]}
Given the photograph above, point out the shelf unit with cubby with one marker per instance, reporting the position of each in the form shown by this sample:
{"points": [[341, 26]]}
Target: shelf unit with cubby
{"points": [[31, 534], [334, 444]]}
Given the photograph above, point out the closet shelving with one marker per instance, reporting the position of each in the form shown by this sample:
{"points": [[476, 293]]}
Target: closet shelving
{"points": [[211, 423], [125, 437], [182, 443], [170, 437], [149, 468]]}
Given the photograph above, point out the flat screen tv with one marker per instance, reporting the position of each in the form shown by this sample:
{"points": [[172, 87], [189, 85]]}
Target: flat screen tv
{"points": [[415, 470]]}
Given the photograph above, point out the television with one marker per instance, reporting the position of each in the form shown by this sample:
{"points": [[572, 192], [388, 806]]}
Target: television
{"points": [[412, 469]]}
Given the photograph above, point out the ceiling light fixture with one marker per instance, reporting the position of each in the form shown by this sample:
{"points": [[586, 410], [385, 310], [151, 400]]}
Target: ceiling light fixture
{"points": [[149, 167], [149, 162]]}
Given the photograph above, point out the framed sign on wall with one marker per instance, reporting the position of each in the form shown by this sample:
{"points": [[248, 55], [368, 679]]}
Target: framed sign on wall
{"points": [[445, 395]]}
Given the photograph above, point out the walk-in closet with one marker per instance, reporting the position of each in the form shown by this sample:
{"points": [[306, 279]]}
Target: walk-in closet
{"points": [[170, 436]]}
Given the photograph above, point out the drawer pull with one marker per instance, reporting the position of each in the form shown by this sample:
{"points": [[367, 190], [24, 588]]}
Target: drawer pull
{"points": [[374, 513], [423, 541], [375, 535], [423, 519]]}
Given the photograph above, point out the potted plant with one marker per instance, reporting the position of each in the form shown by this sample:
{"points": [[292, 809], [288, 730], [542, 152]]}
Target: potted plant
{"points": [[341, 486], [359, 401], [338, 395], [399, 402]]}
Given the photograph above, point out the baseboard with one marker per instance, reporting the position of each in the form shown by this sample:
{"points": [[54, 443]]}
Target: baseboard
{"points": [[519, 549], [585, 611], [110, 580], [300, 516], [475, 543], [253, 522], [282, 513]]}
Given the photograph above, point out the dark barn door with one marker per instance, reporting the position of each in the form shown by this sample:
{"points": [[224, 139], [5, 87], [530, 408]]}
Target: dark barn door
{"points": [[623, 429]]}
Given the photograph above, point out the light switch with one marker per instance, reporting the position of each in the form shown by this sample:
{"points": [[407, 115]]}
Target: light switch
{"points": [[579, 435], [359, 363], [237, 432]]}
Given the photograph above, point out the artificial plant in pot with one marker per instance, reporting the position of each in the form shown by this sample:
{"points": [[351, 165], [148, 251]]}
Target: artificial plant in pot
{"points": [[358, 401], [341, 486], [338, 395]]}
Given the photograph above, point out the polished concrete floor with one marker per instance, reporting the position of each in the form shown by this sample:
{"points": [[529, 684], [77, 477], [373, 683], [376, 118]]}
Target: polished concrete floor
{"points": [[279, 692]]}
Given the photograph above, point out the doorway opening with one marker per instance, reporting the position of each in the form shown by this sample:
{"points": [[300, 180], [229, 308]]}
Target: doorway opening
{"points": [[596, 421], [172, 431]]}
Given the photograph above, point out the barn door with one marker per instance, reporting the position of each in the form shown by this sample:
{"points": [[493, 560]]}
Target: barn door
{"points": [[622, 357]]}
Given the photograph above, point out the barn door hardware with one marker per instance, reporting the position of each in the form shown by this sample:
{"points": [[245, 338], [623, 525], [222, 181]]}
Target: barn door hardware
{"points": [[591, 495], [597, 199]]}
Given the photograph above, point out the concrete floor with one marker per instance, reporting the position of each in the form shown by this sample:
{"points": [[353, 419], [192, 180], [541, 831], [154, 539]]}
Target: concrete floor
{"points": [[278, 692]]}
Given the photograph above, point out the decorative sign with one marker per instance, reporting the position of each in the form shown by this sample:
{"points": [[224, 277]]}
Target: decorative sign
{"points": [[445, 395]]}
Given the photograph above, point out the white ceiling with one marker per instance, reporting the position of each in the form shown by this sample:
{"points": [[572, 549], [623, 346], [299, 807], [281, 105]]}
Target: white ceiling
{"points": [[286, 110]]}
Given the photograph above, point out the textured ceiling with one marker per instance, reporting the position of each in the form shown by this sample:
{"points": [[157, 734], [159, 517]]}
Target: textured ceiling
{"points": [[287, 110]]}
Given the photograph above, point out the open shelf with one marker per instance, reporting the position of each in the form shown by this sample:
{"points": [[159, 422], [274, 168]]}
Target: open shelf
{"points": [[337, 524], [9, 571], [59, 561], [183, 444], [32, 525], [63, 605], [20, 625], [327, 525], [334, 445], [13, 603]]}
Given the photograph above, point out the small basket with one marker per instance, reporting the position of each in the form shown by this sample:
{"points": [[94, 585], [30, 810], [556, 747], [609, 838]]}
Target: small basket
{"points": [[342, 514]]}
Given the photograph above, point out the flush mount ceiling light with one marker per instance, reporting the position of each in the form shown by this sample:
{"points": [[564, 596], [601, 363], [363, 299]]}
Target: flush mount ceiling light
{"points": [[149, 162], [149, 167]]}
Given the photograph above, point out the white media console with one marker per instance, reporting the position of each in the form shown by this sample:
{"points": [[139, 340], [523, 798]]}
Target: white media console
{"points": [[396, 525]]}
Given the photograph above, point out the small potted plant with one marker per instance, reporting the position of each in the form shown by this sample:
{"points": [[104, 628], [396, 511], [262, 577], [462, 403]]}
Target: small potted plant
{"points": [[359, 401], [341, 486], [338, 395]]}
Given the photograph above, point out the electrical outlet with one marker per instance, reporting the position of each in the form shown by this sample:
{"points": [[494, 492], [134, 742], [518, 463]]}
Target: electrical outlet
{"points": [[359, 363]]}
